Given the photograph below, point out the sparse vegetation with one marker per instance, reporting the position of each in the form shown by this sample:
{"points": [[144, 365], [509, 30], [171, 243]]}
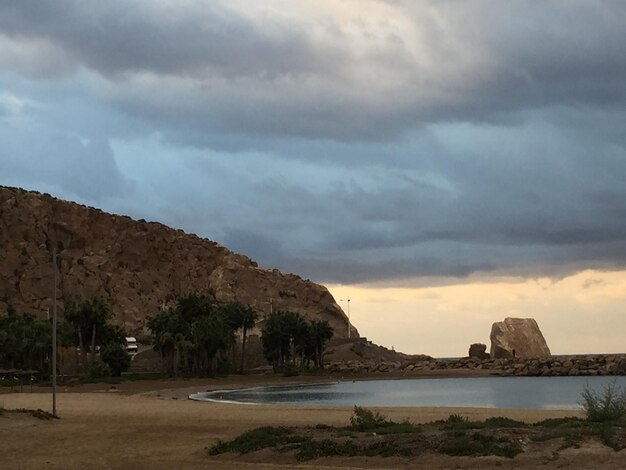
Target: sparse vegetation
{"points": [[373, 434], [38, 413], [255, 439], [310, 450], [97, 370], [456, 422], [363, 419], [607, 405], [572, 430], [479, 443]]}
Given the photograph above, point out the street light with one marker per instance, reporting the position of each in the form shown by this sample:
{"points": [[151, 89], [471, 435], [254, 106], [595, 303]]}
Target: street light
{"points": [[54, 336], [347, 300]]}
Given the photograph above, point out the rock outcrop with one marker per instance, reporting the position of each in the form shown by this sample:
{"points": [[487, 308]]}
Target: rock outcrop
{"points": [[555, 366], [478, 350], [517, 337], [136, 266]]}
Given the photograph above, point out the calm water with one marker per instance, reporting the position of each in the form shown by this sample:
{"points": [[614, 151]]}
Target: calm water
{"points": [[485, 392]]}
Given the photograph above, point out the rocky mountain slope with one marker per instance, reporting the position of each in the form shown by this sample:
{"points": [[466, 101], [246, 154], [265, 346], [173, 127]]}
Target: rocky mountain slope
{"points": [[136, 266]]}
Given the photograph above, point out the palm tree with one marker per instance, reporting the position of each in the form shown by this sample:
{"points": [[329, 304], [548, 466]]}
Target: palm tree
{"points": [[240, 317], [74, 313], [284, 336], [98, 314], [166, 327], [275, 338], [87, 316], [320, 333], [211, 334], [248, 319]]}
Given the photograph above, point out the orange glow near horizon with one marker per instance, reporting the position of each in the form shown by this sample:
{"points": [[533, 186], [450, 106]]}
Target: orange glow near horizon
{"points": [[582, 313]]}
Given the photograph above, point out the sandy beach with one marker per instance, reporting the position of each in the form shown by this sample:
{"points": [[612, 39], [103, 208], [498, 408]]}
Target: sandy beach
{"points": [[152, 425]]}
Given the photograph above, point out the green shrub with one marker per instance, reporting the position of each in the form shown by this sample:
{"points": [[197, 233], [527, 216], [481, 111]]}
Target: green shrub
{"points": [[559, 422], [607, 405], [366, 420], [388, 448], [606, 433], [500, 422], [256, 439], [98, 370], [116, 357], [479, 444], [310, 450], [398, 428], [323, 426], [290, 370], [458, 422], [456, 418]]}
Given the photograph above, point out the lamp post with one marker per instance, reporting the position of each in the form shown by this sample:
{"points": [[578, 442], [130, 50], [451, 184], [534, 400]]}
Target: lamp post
{"points": [[54, 336], [347, 300]]}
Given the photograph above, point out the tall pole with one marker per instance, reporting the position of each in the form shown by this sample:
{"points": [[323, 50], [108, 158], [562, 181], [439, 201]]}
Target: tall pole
{"points": [[54, 336]]}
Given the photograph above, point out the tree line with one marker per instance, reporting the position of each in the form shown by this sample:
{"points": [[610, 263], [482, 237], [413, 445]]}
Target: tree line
{"points": [[289, 339], [26, 342], [194, 337], [197, 334]]}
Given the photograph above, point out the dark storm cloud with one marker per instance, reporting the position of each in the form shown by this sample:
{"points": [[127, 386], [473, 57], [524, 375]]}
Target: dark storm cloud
{"points": [[345, 141], [516, 207], [209, 66], [118, 37]]}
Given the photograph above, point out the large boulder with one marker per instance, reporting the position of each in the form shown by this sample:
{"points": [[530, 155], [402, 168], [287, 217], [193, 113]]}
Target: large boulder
{"points": [[478, 350], [518, 337]]}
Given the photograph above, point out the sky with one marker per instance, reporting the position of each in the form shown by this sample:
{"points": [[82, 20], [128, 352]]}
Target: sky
{"points": [[441, 163]]}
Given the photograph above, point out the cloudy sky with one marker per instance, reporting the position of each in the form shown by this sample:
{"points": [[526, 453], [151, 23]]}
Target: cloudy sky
{"points": [[442, 163]]}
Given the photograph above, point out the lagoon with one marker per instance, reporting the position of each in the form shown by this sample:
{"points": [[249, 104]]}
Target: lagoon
{"points": [[482, 392]]}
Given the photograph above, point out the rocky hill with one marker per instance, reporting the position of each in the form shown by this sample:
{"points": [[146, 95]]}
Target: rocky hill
{"points": [[136, 266]]}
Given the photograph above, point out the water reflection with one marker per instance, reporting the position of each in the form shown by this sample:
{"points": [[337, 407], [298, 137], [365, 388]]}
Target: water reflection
{"points": [[486, 392]]}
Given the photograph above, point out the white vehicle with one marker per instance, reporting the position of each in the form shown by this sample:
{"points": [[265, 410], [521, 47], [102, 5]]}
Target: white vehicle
{"points": [[131, 345]]}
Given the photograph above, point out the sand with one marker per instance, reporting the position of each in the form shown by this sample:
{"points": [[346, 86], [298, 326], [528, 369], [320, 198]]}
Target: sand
{"points": [[152, 425]]}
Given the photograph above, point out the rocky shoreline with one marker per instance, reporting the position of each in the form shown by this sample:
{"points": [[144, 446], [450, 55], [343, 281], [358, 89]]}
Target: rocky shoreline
{"points": [[555, 366]]}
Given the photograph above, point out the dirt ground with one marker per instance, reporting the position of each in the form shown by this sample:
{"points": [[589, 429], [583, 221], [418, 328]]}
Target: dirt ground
{"points": [[151, 425]]}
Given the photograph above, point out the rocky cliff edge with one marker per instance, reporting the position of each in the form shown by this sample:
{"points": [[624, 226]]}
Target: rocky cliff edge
{"points": [[136, 266]]}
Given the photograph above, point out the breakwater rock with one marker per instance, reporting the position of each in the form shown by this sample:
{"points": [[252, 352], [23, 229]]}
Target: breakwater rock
{"points": [[555, 366]]}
